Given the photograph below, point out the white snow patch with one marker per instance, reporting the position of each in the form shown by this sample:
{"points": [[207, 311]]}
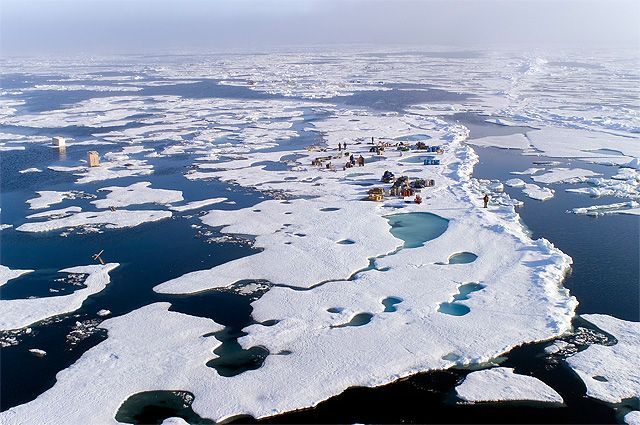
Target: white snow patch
{"points": [[564, 175], [515, 183]]}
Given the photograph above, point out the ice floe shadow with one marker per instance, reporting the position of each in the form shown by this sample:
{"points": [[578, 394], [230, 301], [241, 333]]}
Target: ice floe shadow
{"points": [[345, 242], [359, 319], [155, 406], [454, 307]]}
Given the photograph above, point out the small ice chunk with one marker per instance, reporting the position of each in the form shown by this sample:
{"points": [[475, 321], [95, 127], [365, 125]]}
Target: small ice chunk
{"points": [[539, 193], [528, 172], [632, 418], [556, 347], [37, 352], [30, 170], [46, 198], [502, 384], [515, 183], [174, 421], [103, 313]]}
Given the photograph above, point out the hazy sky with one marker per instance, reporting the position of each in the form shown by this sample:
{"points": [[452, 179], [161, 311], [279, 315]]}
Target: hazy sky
{"points": [[36, 27]]}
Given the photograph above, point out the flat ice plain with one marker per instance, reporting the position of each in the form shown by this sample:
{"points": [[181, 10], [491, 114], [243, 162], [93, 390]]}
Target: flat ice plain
{"points": [[329, 256]]}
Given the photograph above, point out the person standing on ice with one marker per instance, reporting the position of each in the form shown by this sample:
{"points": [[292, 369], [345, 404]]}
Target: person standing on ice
{"points": [[344, 145], [339, 146], [486, 200]]}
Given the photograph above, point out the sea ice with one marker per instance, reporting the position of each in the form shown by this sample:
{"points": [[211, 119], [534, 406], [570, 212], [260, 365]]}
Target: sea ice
{"points": [[610, 372], [564, 175], [110, 219], [534, 191], [19, 313], [512, 141], [30, 170], [515, 183], [135, 194], [502, 384], [46, 198], [6, 274], [195, 205], [632, 418]]}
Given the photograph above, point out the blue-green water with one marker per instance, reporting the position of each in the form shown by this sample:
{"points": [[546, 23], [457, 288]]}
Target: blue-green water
{"points": [[417, 228]]}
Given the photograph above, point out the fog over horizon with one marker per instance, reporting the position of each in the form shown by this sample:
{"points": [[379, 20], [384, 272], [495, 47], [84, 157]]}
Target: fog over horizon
{"points": [[95, 27]]}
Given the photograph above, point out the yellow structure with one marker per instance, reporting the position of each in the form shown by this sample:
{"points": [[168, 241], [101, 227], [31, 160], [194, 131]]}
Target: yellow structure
{"points": [[376, 194], [93, 159]]}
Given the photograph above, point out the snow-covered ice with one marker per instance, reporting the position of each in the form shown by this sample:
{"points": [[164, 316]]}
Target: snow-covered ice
{"points": [[610, 372], [136, 194], [632, 418], [502, 384], [6, 274], [631, 207], [110, 219], [539, 193], [512, 141], [195, 205], [46, 198], [19, 313], [564, 175]]}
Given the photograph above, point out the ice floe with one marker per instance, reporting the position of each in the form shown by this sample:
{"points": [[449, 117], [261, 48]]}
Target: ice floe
{"points": [[564, 175], [30, 170], [6, 274], [515, 183], [632, 418], [502, 384], [539, 193], [610, 372], [136, 194], [195, 205], [19, 313], [110, 219], [512, 141], [631, 207]]}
